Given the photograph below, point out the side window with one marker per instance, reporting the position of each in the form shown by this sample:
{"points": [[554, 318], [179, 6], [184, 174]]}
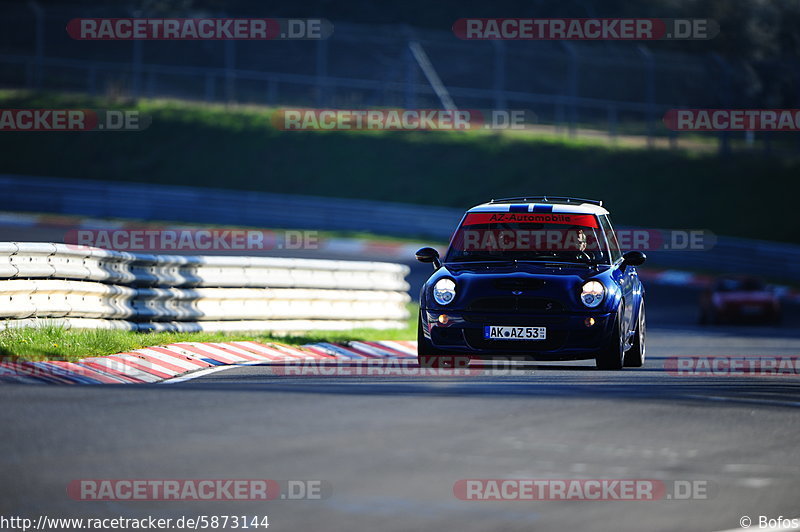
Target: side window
{"points": [[611, 237]]}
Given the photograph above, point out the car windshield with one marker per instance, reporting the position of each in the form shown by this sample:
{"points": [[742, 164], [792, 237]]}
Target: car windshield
{"points": [[486, 236]]}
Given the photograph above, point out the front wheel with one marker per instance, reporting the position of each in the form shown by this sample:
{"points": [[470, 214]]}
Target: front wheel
{"points": [[634, 357], [612, 355]]}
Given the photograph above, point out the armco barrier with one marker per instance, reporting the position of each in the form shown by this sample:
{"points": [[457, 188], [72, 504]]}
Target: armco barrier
{"points": [[87, 287], [142, 201]]}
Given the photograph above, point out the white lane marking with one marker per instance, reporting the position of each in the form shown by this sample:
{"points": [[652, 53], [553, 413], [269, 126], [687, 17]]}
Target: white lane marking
{"points": [[747, 468], [753, 482], [208, 371], [743, 400], [754, 526]]}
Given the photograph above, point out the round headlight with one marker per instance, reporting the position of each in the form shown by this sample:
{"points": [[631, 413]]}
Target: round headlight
{"points": [[592, 293], [444, 291]]}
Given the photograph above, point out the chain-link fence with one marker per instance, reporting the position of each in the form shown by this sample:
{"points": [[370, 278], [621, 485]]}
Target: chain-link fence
{"points": [[616, 88]]}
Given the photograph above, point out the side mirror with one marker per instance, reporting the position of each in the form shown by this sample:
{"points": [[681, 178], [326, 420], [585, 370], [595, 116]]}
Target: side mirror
{"points": [[633, 258], [429, 255]]}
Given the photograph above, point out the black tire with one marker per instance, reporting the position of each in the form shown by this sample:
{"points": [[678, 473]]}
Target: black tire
{"points": [[424, 346], [635, 356], [430, 357], [612, 355]]}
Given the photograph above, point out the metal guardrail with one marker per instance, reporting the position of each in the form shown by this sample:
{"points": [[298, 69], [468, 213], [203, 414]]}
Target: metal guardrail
{"points": [[143, 201], [91, 287], [257, 209]]}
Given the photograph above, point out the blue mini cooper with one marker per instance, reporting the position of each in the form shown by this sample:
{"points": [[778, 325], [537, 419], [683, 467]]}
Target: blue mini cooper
{"points": [[539, 277]]}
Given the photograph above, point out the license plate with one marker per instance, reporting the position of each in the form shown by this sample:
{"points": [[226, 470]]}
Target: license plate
{"points": [[494, 332]]}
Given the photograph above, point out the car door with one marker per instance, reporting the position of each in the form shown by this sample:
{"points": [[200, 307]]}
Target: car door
{"points": [[625, 277]]}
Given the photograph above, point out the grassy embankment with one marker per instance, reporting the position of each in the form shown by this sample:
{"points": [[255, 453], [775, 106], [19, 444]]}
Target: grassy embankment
{"points": [[238, 147], [55, 343]]}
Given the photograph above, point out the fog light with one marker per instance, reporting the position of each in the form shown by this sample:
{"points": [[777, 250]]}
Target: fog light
{"points": [[443, 319], [588, 322]]}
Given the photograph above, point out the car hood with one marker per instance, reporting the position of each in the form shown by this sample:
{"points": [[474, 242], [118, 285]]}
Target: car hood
{"points": [[522, 269]]}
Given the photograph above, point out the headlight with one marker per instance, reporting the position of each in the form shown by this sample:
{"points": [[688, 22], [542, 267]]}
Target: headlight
{"points": [[444, 291], [592, 293]]}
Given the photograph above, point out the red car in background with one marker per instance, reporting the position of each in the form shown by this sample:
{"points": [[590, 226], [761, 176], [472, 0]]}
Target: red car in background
{"points": [[739, 299]]}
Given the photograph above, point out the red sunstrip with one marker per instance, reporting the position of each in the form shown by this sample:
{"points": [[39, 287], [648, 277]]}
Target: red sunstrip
{"points": [[583, 220]]}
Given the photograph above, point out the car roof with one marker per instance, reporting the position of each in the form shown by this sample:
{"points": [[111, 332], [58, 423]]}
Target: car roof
{"points": [[544, 206]]}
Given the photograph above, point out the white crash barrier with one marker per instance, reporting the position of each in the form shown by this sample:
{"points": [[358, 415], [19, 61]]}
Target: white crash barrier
{"points": [[87, 287]]}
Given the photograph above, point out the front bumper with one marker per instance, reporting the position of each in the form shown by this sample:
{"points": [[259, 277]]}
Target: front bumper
{"points": [[568, 336]]}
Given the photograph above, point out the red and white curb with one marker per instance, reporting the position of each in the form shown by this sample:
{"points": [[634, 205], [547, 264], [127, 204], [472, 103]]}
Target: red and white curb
{"points": [[186, 360]]}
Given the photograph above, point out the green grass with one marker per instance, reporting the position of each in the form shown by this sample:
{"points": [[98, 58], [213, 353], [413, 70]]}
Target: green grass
{"points": [[237, 147], [57, 343]]}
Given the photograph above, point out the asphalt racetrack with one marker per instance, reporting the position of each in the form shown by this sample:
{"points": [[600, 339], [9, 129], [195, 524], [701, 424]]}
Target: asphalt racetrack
{"points": [[390, 449]]}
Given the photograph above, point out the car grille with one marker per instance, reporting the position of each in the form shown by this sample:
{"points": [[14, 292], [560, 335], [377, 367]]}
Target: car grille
{"points": [[447, 336], [518, 284], [515, 303]]}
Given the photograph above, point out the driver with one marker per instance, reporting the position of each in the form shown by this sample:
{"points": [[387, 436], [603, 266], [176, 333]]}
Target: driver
{"points": [[575, 239]]}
